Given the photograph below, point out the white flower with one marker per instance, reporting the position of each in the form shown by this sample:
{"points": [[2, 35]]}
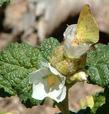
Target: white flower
{"points": [[48, 82], [70, 32], [71, 48]]}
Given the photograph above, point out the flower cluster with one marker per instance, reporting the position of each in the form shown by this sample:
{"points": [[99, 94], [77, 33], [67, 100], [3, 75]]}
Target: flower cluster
{"points": [[66, 62]]}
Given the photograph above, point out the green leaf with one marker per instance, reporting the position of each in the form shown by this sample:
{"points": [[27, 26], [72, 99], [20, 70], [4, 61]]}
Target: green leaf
{"points": [[4, 2], [99, 100], [98, 65], [47, 47], [16, 62]]}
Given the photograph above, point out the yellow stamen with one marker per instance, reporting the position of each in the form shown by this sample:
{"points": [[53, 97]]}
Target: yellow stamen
{"points": [[52, 80]]}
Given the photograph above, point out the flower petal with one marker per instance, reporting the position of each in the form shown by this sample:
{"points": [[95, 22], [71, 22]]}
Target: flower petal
{"points": [[58, 95], [54, 71], [39, 92], [36, 76]]}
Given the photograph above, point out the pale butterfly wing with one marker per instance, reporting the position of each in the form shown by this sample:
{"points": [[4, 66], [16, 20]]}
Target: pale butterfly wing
{"points": [[70, 31], [76, 52], [87, 28]]}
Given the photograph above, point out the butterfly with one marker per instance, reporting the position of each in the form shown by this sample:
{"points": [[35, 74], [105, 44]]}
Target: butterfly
{"points": [[87, 27], [79, 37]]}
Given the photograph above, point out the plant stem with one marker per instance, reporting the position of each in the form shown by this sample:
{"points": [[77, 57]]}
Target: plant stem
{"points": [[64, 106]]}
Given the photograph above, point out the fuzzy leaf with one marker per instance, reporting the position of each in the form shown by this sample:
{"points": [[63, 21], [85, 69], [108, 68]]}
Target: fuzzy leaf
{"points": [[98, 65], [16, 62], [47, 47]]}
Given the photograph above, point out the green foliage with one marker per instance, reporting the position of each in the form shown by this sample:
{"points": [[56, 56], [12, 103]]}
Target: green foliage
{"points": [[104, 109], [99, 100], [98, 65], [4, 2], [16, 62], [47, 47]]}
